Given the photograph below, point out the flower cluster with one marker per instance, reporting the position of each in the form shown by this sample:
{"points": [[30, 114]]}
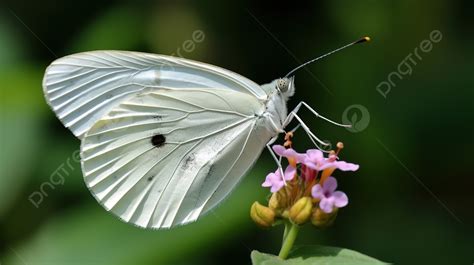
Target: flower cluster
{"points": [[305, 190]]}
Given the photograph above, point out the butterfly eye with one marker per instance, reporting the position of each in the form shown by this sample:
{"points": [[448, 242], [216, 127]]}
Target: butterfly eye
{"points": [[282, 84]]}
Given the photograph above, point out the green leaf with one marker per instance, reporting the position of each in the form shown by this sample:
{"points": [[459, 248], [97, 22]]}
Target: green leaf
{"points": [[317, 255]]}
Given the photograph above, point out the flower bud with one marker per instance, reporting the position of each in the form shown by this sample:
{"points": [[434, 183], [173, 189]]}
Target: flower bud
{"points": [[301, 210], [321, 219], [261, 215], [274, 202], [279, 200]]}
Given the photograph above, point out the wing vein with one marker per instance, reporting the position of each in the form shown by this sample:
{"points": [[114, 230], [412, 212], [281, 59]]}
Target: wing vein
{"points": [[170, 179]]}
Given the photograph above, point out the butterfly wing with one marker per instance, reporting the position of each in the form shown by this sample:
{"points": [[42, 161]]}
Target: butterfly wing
{"points": [[83, 87], [208, 139]]}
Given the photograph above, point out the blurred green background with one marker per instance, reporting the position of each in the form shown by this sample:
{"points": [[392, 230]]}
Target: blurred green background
{"points": [[410, 203]]}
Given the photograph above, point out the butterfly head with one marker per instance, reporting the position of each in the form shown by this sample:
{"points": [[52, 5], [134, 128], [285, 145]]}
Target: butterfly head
{"points": [[286, 86]]}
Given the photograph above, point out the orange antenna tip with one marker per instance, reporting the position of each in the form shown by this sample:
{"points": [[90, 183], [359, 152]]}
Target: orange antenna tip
{"points": [[364, 39]]}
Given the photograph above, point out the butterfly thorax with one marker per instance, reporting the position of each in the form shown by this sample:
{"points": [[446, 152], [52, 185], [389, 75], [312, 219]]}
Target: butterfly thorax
{"points": [[275, 106]]}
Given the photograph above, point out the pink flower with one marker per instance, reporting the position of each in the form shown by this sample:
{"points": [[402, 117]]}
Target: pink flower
{"points": [[328, 196], [315, 160], [275, 180], [344, 166], [293, 156]]}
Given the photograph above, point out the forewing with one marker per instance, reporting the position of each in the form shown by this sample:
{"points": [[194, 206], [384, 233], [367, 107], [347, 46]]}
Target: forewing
{"points": [[210, 139], [83, 87]]}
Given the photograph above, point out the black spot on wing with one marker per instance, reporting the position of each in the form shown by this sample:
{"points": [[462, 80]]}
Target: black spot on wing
{"points": [[158, 140]]}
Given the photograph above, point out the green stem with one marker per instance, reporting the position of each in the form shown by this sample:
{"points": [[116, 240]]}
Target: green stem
{"points": [[288, 240], [287, 229]]}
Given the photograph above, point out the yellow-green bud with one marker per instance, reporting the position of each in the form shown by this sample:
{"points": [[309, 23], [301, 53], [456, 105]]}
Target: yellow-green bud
{"points": [[279, 199], [301, 210], [321, 219], [262, 215], [273, 203]]}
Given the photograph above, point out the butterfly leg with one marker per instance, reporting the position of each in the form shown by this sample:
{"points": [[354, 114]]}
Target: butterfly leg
{"points": [[277, 160], [293, 114], [311, 135], [310, 138], [302, 103]]}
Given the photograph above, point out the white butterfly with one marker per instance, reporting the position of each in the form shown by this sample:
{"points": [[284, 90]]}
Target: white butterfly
{"points": [[164, 139]]}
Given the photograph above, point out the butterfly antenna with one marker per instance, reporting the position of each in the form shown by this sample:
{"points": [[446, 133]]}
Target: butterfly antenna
{"points": [[364, 39]]}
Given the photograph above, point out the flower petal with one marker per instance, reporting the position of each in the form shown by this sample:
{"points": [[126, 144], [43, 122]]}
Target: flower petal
{"points": [[330, 185], [268, 180], [314, 155], [326, 165], [317, 192], [344, 166], [310, 164], [277, 174], [266, 184], [279, 149], [293, 154], [290, 173], [277, 186], [340, 199], [326, 205]]}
